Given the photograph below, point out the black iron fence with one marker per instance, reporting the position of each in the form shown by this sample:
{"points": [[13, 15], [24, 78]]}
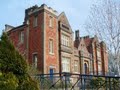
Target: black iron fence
{"points": [[71, 81]]}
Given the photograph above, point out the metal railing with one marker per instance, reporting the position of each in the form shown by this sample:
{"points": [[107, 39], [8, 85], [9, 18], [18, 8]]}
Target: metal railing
{"points": [[72, 81]]}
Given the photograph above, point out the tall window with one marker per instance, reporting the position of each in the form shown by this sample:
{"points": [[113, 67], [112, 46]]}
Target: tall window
{"points": [[98, 53], [65, 64], [21, 37], [51, 46], [35, 22], [85, 68], [50, 21], [35, 60], [65, 40], [76, 66], [99, 68]]}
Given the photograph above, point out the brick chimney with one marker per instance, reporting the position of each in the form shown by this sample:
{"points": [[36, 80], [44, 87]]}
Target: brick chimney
{"points": [[77, 36]]}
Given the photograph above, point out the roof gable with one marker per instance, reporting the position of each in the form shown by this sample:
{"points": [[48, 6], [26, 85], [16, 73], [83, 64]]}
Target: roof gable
{"points": [[95, 39], [82, 45], [62, 18]]}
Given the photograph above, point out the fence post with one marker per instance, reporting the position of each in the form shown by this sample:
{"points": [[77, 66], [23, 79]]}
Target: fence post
{"points": [[41, 82], [106, 83], [84, 82], [81, 83], [113, 84], [65, 81], [110, 83]]}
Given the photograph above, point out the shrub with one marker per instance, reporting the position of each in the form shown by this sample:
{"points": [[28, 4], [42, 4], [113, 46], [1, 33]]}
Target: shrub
{"points": [[8, 81], [97, 83], [28, 84], [13, 68]]}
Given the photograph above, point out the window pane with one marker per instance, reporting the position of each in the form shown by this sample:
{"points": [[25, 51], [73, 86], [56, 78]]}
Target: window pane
{"points": [[51, 46], [51, 21], [65, 40], [65, 64], [35, 60], [35, 21], [21, 37], [75, 66]]}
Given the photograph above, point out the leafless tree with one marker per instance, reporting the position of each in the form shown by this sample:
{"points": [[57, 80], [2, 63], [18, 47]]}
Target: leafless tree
{"points": [[104, 21]]}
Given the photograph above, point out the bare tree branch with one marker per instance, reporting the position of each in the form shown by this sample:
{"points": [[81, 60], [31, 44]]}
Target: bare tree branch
{"points": [[104, 21]]}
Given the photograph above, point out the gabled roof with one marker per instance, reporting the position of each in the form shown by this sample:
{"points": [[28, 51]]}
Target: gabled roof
{"points": [[17, 28], [81, 46], [88, 41], [76, 43], [8, 27], [63, 15], [20, 26], [95, 39], [63, 18]]}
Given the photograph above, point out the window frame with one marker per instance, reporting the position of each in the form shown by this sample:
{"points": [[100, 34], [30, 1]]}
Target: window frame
{"points": [[35, 21], [65, 40], [21, 36], [50, 21], [34, 62], [51, 46], [76, 65], [66, 64]]}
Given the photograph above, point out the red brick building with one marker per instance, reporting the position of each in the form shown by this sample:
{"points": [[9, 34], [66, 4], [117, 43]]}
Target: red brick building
{"points": [[93, 54], [45, 39]]}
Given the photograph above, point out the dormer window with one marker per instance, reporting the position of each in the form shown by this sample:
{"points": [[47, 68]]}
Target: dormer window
{"points": [[50, 21]]}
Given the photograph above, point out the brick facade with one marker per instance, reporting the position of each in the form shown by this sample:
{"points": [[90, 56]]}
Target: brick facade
{"points": [[48, 43], [95, 54]]}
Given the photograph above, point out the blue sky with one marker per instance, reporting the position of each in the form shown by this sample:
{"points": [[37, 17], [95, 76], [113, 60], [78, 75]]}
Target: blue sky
{"points": [[77, 11]]}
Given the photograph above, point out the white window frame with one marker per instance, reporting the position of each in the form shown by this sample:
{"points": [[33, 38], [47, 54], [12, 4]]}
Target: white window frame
{"points": [[65, 40], [65, 64], [21, 37]]}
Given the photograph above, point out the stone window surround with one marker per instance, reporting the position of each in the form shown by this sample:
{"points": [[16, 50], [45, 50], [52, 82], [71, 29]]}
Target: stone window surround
{"points": [[66, 66], [51, 21], [35, 21], [34, 62], [51, 51], [76, 65], [21, 36], [65, 40]]}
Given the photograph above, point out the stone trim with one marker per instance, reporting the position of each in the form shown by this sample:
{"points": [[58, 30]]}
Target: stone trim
{"points": [[44, 43]]}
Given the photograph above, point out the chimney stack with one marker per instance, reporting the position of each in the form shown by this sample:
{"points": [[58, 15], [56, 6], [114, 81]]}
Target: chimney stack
{"points": [[77, 35]]}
